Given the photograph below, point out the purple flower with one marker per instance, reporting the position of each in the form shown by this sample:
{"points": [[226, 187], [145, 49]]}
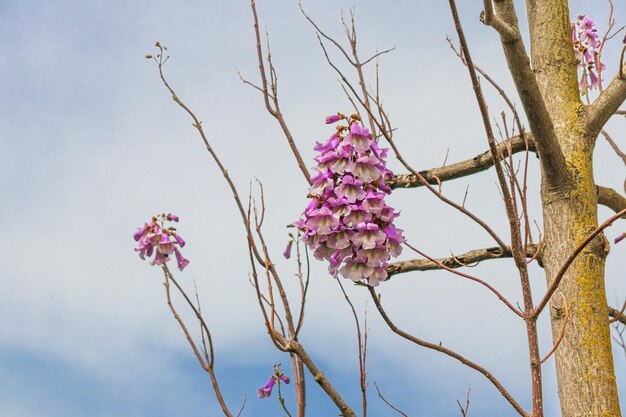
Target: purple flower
{"points": [[586, 43], [375, 256], [368, 236], [180, 259], [359, 138], [394, 240], [351, 189], [141, 232], [287, 251], [166, 246], [334, 118], [620, 238], [179, 240], [159, 259], [339, 240], [266, 390], [155, 238], [323, 220], [586, 23], [356, 269], [358, 214], [366, 168], [347, 222], [322, 181], [374, 202], [331, 144], [321, 251], [378, 275]]}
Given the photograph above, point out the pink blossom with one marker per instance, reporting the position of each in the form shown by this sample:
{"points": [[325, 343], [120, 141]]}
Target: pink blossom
{"points": [[287, 251], [266, 390], [334, 118], [155, 238], [277, 377], [585, 40], [347, 222]]}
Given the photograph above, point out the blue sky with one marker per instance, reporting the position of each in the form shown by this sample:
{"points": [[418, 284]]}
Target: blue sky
{"points": [[92, 146]]}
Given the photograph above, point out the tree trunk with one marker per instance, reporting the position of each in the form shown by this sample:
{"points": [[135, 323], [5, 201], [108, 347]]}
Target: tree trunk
{"points": [[584, 361]]}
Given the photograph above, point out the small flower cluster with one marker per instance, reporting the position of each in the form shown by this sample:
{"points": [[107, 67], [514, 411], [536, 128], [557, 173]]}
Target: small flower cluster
{"points": [[278, 376], [155, 238], [586, 48], [347, 221]]}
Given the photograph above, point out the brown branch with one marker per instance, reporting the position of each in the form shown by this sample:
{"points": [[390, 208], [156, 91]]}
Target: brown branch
{"points": [[517, 248], [471, 278], [362, 351], [464, 410], [489, 18], [617, 315], [550, 153], [377, 54], [396, 409], [458, 261], [207, 366], [319, 377], [559, 276], [616, 148], [275, 109], [461, 169], [607, 103], [401, 159], [561, 334], [610, 198], [448, 352]]}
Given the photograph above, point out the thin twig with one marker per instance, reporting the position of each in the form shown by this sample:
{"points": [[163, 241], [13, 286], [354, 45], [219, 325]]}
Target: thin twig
{"points": [[393, 407], [561, 334], [559, 276], [470, 277], [448, 352]]}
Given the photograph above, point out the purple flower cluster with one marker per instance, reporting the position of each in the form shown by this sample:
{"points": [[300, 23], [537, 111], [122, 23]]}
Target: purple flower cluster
{"points": [[586, 48], [155, 238], [266, 390], [347, 221]]}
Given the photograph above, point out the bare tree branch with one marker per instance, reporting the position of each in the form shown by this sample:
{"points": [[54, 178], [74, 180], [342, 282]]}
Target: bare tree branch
{"points": [[448, 352], [489, 18], [616, 148], [517, 247], [561, 333], [380, 394], [319, 377], [606, 104], [273, 107], [610, 198], [468, 258], [618, 315], [461, 169], [550, 153]]}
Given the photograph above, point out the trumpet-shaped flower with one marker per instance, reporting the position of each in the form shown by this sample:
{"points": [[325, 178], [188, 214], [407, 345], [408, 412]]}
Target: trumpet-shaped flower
{"points": [[585, 40], [266, 390], [347, 222], [277, 377], [155, 238]]}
